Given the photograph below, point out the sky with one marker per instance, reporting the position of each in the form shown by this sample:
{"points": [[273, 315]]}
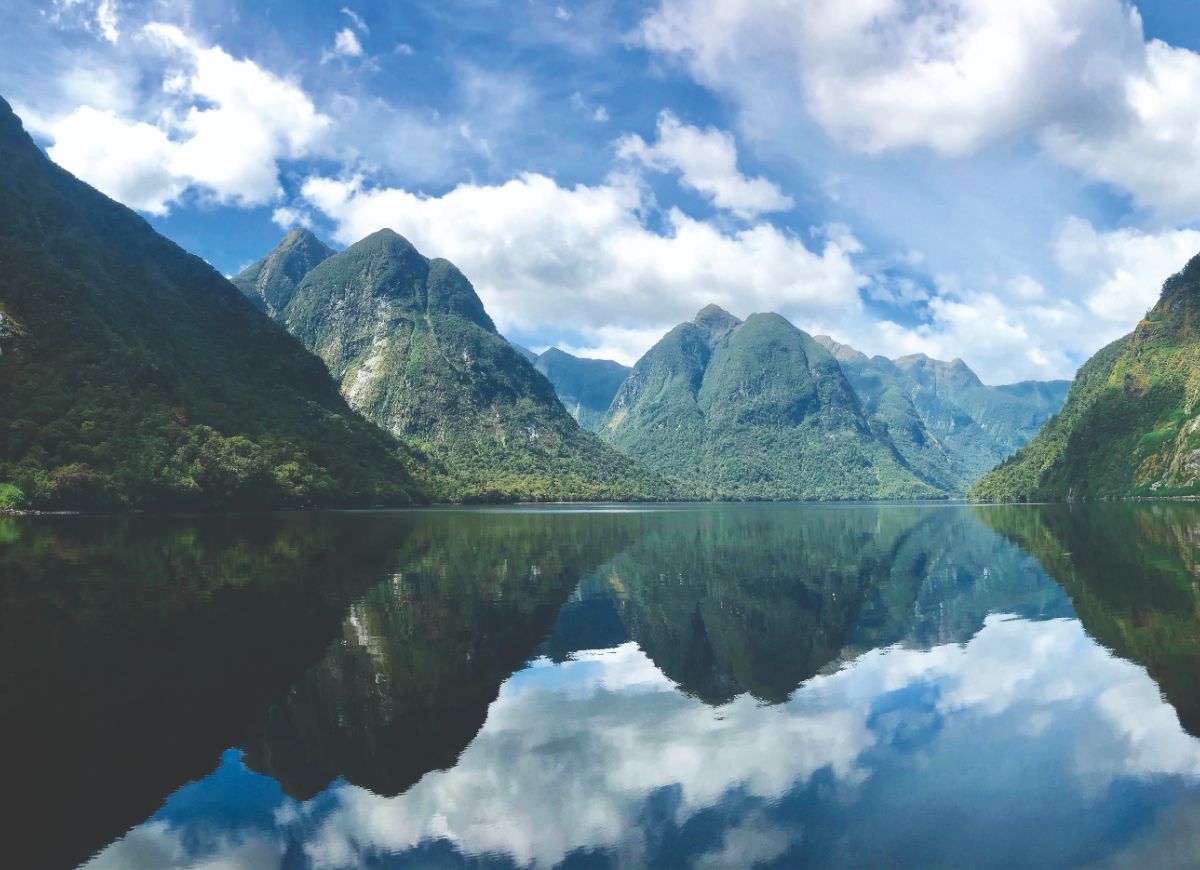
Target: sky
{"points": [[1005, 181]]}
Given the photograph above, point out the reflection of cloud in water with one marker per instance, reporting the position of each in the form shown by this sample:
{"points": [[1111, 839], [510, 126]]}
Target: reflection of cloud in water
{"points": [[572, 753]]}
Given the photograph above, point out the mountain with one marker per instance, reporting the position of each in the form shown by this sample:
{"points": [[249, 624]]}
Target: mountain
{"points": [[132, 375], [753, 410], [1131, 424], [525, 352], [585, 386], [412, 348], [271, 282], [947, 424]]}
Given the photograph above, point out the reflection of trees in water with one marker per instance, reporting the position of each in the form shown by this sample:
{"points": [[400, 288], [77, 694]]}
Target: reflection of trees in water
{"points": [[759, 601], [1132, 573], [422, 656]]}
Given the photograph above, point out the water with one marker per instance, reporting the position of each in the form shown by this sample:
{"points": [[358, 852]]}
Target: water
{"points": [[709, 686]]}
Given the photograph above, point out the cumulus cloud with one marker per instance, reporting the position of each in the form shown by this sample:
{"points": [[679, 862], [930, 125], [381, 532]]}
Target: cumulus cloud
{"points": [[226, 125], [706, 161], [571, 753], [1122, 270], [544, 255], [1152, 147], [955, 76]]}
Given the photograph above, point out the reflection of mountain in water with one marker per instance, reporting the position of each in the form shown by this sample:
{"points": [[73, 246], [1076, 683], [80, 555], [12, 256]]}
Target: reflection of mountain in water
{"points": [[137, 649], [421, 657], [753, 600], [1133, 574], [370, 646]]}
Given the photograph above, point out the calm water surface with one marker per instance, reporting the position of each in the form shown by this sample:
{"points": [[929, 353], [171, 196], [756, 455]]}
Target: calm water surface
{"points": [[708, 686]]}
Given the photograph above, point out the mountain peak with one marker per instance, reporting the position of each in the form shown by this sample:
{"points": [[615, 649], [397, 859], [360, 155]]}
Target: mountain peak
{"points": [[715, 321]]}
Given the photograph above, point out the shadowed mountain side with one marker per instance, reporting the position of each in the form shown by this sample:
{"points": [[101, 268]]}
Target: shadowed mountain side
{"points": [[1132, 573], [585, 386], [132, 375]]}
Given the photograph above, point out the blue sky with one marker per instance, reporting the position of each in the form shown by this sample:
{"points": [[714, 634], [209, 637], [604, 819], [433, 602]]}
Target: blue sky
{"points": [[1008, 181]]}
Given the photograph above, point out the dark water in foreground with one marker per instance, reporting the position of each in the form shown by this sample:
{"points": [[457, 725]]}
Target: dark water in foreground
{"points": [[708, 686]]}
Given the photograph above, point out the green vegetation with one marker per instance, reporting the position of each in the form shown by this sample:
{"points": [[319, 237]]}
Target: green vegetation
{"points": [[271, 282], [585, 386], [754, 410], [1131, 573], [1131, 425], [11, 498], [947, 424], [132, 375], [412, 348]]}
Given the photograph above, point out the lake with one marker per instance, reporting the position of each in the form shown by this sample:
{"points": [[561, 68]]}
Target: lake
{"points": [[693, 685]]}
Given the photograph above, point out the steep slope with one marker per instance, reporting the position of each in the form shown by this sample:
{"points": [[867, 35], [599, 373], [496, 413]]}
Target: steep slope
{"points": [[949, 426], [585, 386], [133, 375], [412, 348], [270, 282], [1131, 424], [753, 410]]}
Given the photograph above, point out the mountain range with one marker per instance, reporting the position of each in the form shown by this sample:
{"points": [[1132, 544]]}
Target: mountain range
{"points": [[140, 378], [409, 343], [923, 426], [1131, 424]]}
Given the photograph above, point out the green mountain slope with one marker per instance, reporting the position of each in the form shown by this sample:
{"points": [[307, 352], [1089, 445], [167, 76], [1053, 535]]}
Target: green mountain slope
{"points": [[409, 343], [271, 282], [754, 410], [946, 423], [585, 386], [133, 375], [1131, 425]]}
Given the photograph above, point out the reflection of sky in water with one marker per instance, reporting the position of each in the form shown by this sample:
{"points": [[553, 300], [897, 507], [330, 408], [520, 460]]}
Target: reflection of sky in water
{"points": [[1029, 744]]}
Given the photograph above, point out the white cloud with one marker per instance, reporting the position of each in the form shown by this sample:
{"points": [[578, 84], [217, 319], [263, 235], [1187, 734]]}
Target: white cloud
{"points": [[707, 163], [1153, 147], [289, 218], [346, 44], [356, 18], [131, 161], [107, 20], [1122, 271], [96, 16], [545, 256], [571, 752], [956, 76], [948, 74], [1016, 329], [226, 126]]}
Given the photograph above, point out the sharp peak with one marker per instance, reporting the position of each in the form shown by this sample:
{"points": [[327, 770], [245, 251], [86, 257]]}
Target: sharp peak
{"points": [[714, 317], [298, 233]]}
